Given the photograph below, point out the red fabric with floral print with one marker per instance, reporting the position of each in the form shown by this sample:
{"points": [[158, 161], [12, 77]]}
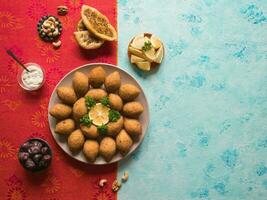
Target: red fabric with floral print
{"points": [[24, 115]]}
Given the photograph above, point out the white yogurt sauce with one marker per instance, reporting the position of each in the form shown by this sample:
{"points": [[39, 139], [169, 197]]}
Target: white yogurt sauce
{"points": [[34, 78]]}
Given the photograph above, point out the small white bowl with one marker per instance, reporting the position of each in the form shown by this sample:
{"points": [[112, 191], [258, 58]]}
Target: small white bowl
{"points": [[21, 83]]}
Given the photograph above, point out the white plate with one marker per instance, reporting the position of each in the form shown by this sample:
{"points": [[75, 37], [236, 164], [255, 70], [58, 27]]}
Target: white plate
{"points": [[67, 81]]}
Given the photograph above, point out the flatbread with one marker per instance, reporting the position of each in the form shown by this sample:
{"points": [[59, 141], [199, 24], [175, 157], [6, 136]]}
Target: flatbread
{"points": [[98, 24]]}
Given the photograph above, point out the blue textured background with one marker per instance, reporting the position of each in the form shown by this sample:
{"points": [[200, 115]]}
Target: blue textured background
{"points": [[208, 100]]}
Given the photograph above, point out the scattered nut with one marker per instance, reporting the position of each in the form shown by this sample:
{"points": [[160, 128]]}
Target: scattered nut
{"points": [[62, 10], [116, 185], [56, 44], [125, 176], [102, 182], [55, 33]]}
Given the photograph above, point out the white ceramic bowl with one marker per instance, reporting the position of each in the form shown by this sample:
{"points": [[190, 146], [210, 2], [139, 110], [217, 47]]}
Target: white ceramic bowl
{"points": [[19, 77]]}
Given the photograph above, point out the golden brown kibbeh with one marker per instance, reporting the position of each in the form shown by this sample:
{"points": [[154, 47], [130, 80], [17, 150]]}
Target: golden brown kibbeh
{"points": [[90, 150], [79, 109], [113, 82], [115, 127], [97, 76], [66, 95], [60, 111], [65, 127], [123, 142], [76, 140], [80, 83], [90, 131], [133, 127], [128, 92], [96, 94], [133, 109], [115, 102], [107, 148]]}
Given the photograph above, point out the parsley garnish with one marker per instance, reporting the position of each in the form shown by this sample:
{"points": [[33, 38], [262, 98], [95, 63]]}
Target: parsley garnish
{"points": [[89, 101], [147, 46], [103, 128], [113, 115], [104, 101], [85, 120]]}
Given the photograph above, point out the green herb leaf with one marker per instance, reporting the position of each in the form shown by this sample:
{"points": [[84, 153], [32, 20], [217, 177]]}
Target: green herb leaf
{"points": [[103, 128], [104, 101], [113, 115], [85, 120], [147, 46], [90, 102]]}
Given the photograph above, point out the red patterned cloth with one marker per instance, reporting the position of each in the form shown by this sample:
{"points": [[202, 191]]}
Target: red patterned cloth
{"points": [[24, 115]]}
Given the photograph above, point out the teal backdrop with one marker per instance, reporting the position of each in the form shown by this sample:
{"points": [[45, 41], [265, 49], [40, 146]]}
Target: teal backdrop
{"points": [[207, 137]]}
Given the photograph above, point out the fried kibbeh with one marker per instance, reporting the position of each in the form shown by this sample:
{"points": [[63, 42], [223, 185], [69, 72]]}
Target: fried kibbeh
{"points": [[128, 92], [133, 127], [113, 128], [97, 77], [76, 140], [65, 127], [90, 150], [113, 82], [90, 131], [66, 95], [107, 148], [80, 83], [79, 109], [123, 142], [115, 101], [133, 109], [60, 111], [96, 94]]}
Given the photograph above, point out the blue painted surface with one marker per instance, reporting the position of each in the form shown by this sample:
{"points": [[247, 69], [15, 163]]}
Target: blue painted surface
{"points": [[208, 100]]}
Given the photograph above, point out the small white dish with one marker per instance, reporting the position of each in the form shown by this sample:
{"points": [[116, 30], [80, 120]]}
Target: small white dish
{"points": [[22, 83]]}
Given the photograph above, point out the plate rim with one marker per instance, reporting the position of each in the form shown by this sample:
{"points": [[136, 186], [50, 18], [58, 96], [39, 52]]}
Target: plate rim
{"points": [[113, 66]]}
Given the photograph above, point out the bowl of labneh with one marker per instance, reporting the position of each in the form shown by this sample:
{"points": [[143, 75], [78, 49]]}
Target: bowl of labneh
{"points": [[35, 154], [33, 79]]}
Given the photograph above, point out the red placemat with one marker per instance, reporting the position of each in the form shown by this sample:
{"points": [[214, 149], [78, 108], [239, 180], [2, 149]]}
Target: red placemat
{"points": [[24, 115]]}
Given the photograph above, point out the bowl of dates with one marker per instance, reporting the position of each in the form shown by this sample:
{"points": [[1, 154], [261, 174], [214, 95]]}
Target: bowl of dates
{"points": [[35, 154]]}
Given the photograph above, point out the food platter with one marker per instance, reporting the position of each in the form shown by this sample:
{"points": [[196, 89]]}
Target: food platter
{"points": [[125, 78]]}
